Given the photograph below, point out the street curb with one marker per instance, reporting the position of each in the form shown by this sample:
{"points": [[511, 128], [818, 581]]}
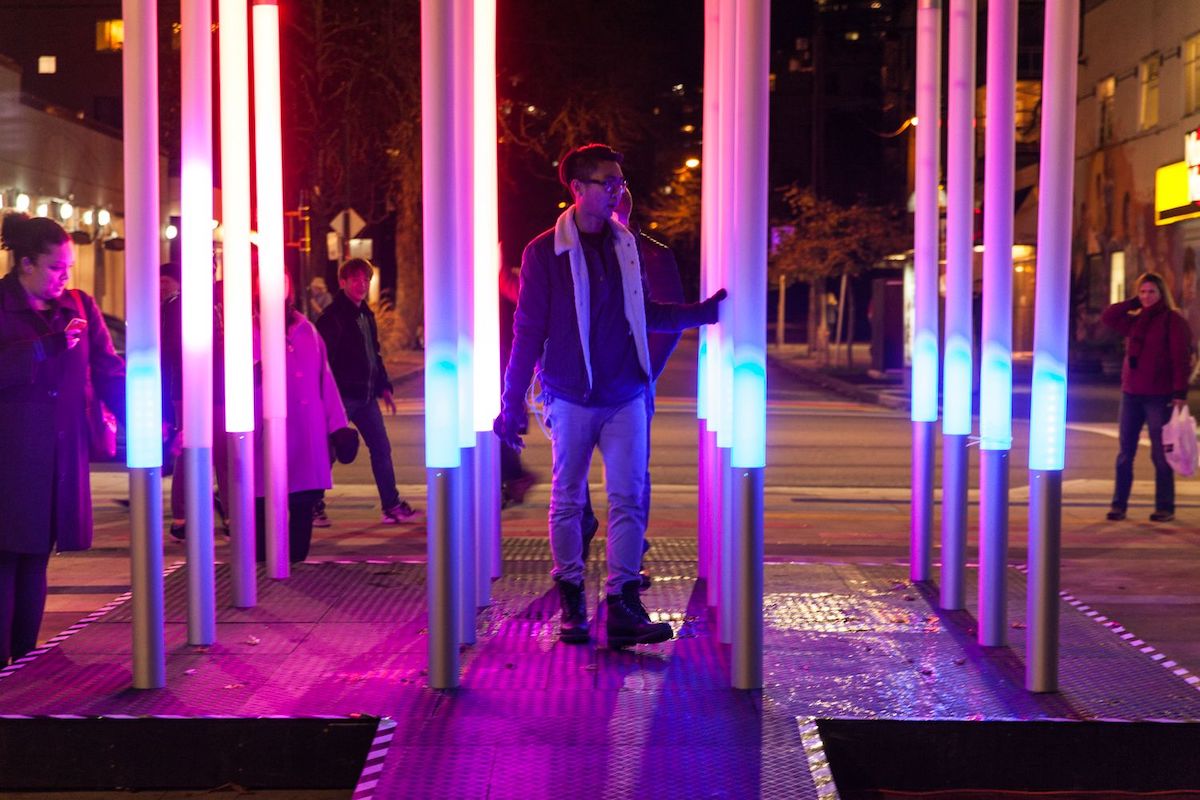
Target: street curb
{"points": [[816, 377]]}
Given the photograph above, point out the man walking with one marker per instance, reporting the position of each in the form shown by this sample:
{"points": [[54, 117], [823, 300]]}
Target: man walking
{"points": [[352, 340], [583, 313]]}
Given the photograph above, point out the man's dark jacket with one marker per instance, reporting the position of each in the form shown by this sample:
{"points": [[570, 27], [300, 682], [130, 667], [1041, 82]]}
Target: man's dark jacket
{"points": [[348, 353], [546, 329]]}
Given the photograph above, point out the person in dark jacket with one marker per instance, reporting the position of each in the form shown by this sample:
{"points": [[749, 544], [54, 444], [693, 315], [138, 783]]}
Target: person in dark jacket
{"points": [[50, 340], [1154, 379], [582, 314], [352, 339]]}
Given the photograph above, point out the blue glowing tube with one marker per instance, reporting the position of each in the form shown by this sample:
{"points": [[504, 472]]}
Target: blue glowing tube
{"points": [[925, 223], [1048, 403]]}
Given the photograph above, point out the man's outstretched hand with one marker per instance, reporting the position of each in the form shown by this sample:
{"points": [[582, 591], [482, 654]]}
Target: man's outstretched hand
{"points": [[711, 312], [510, 425]]}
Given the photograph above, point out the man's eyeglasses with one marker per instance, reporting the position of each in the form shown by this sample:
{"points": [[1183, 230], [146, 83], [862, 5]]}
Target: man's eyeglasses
{"points": [[611, 185]]}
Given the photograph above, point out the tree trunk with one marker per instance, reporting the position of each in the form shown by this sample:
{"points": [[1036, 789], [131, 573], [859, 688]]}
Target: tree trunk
{"points": [[816, 316], [850, 313], [841, 312], [779, 313]]}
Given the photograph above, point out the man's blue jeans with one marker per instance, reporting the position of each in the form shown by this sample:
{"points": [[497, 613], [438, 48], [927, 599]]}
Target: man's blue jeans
{"points": [[369, 420], [1153, 411], [620, 433]]}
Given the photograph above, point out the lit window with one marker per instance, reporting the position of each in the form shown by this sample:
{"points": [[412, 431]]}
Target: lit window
{"points": [[1191, 74], [1106, 91], [1148, 92], [110, 35], [47, 65]]}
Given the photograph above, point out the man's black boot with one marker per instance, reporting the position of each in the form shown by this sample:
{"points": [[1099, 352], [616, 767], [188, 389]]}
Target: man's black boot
{"points": [[628, 623], [573, 626]]}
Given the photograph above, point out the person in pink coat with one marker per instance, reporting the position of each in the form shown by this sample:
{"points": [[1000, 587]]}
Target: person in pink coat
{"points": [[316, 425]]}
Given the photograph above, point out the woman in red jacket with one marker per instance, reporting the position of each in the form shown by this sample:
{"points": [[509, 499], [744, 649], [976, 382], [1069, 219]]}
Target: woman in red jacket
{"points": [[1154, 379]]}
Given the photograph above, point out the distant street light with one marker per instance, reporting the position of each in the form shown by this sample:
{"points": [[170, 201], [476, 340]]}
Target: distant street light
{"points": [[692, 163]]}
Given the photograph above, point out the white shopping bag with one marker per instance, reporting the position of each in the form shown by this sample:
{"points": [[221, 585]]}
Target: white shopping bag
{"points": [[1179, 441]]}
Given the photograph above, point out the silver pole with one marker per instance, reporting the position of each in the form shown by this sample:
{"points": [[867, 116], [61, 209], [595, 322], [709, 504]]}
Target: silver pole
{"points": [[921, 532], [202, 620], [993, 547], [465, 541], [240, 447], [487, 512], [747, 653], [728, 523], [443, 579], [1042, 604], [954, 521], [198, 499], [275, 476], [146, 581]]}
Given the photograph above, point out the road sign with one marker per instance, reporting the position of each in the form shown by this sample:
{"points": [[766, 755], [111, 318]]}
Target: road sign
{"points": [[347, 221]]}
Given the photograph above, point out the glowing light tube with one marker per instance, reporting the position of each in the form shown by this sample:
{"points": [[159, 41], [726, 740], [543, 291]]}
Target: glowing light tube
{"points": [[748, 290], [463, 241], [268, 173], [925, 224], [143, 375], [726, 167], [1048, 402], [235, 216], [196, 205], [486, 250], [441, 271], [709, 211], [995, 394], [957, 376], [143, 381]]}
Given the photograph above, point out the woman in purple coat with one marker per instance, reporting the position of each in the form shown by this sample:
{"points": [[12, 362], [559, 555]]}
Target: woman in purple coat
{"points": [[50, 339]]}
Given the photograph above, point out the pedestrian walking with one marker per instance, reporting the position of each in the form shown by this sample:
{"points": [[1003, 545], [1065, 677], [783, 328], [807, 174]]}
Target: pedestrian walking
{"points": [[1154, 379], [582, 314], [55, 350], [352, 340]]}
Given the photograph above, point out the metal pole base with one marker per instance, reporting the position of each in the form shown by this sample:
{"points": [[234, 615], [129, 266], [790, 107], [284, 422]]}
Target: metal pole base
{"points": [[146, 581], [993, 548], [466, 545], [201, 583], [198, 505], [442, 579], [920, 557], [487, 512], [1042, 603], [747, 652], [240, 447], [954, 522], [275, 498]]}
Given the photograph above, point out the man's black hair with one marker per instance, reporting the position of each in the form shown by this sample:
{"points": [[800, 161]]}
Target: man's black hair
{"points": [[581, 162]]}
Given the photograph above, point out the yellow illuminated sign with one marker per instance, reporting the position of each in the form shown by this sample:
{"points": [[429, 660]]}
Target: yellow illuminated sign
{"points": [[1172, 201]]}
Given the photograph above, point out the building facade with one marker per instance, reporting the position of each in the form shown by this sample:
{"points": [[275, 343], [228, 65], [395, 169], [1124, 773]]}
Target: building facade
{"points": [[1137, 188]]}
